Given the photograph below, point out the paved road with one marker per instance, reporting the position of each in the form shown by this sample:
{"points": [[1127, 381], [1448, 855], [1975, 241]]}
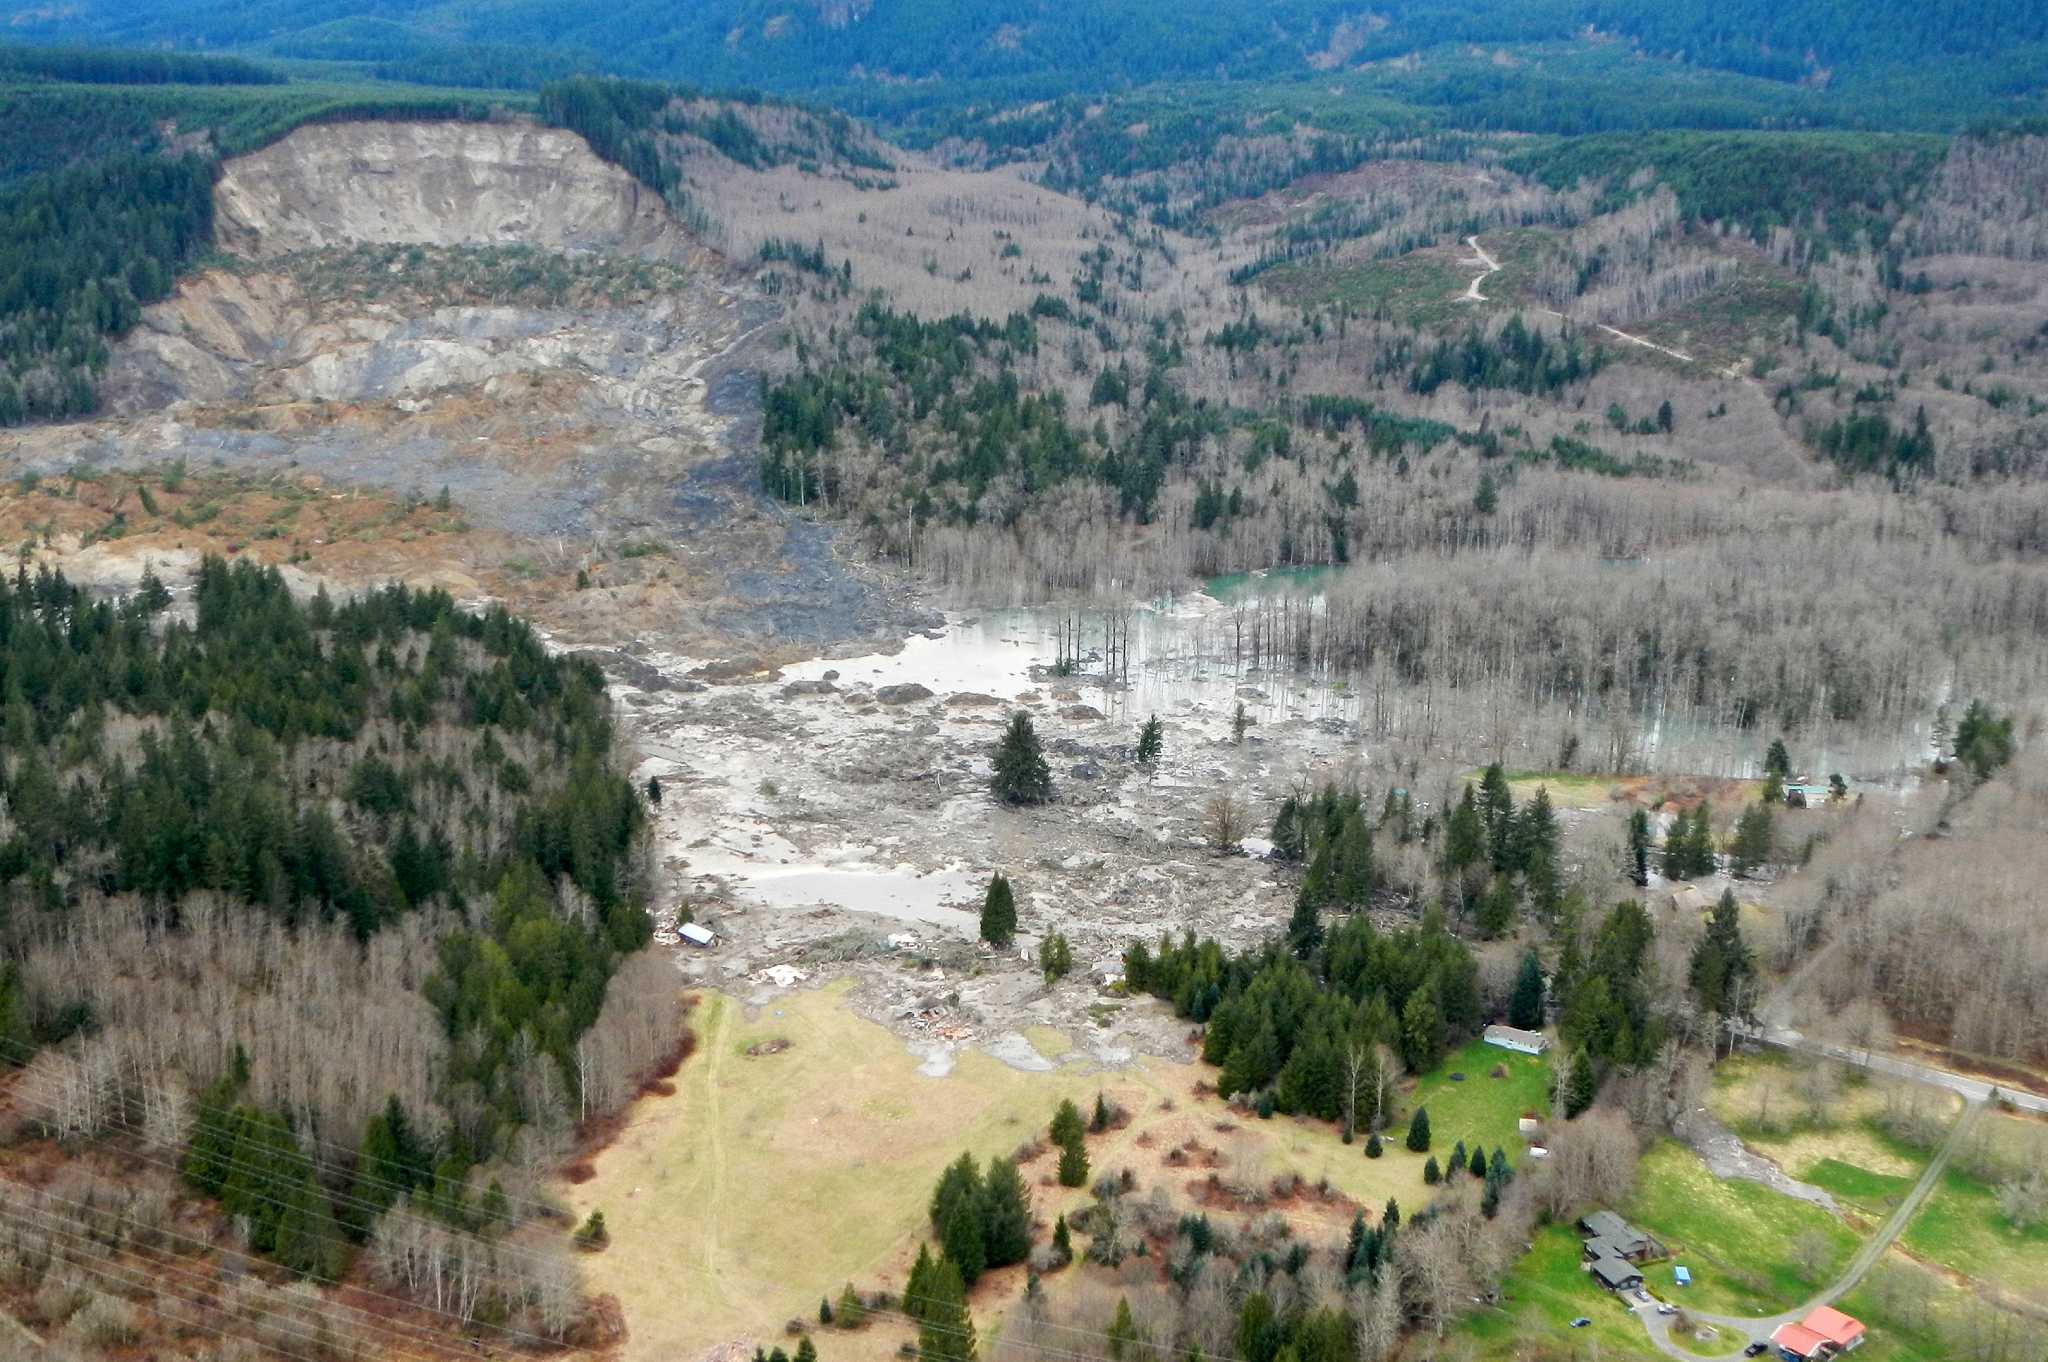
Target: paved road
{"points": [[1970, 1089], [1659, 1326]]}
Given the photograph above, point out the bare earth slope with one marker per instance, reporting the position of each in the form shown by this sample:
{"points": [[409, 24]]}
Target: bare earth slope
{"points": [[444, 184]]}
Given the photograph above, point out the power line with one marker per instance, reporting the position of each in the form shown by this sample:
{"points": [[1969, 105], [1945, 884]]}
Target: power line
{"points": [[158, 1294], [348, 1245], [402, 1334]]}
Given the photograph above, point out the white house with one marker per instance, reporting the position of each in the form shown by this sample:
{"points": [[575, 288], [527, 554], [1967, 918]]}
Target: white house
{"points": [[1514, 1038], [694, 935]]}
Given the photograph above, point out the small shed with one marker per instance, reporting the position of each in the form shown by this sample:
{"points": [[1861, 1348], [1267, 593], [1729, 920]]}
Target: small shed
{"points": [[1682, 1275], [1618, 1274], [1689, 898], [1518, 1040], [694, 935]]}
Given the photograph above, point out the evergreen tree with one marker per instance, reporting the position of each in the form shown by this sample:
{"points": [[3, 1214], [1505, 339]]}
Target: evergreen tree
{"points": [[1006, 1211], [1066, 1125], [1678, 847], [1582, 1085], [945, 1331], [1721, 960], [1373, 1147], [1055, 958], [1431, 1174], [999, 912], [1498, 1168], [852, 1311], [1497, 809], [965, 1239], [1485, 498], [1020, 773], [1773, 791], [1418, 1131], [1777, 761], [806, 1351], [1353, 861], [1753, 837], [1457, 1164], [654, 790], [1496, 917], [1465, 835], [1390, 1218], [1305, 927], [1123, 1332], [1099, 1122], [1639, 847], [1477, 1163], [1700, 851], [960, 1185], [1073, 1170], [1525, 1007], [1062, 1240], [1151, 740], [1983, 740], [824, 1310], [917, 1291], [1423, 1027]]}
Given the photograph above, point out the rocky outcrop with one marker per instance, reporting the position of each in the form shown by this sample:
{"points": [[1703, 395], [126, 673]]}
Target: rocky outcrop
{"points": [[440, 184]]}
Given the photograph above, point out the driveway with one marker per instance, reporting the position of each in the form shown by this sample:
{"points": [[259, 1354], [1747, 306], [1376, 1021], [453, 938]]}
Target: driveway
{"points": [[1659, 1326]]}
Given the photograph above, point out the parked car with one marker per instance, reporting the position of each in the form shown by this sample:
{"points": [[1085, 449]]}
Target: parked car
{"points": [[1581, 1322], [1756, 1349], [1666, 1308]]}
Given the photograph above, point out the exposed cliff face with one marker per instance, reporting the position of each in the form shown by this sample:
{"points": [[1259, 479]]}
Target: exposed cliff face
{"points": [[518, 196], [445, 184]]}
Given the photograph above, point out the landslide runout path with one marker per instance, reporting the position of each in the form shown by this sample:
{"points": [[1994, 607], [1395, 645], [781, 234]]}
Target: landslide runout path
{"points": [[1659, 1326]]}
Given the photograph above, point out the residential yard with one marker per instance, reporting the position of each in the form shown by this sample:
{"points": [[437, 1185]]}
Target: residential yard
{"points": [[1545, 1291], [1482, 1108], [1752, 1251]]}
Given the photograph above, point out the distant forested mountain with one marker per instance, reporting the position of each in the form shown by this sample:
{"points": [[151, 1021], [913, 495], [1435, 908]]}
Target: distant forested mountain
{"points": [[1040, 47]]}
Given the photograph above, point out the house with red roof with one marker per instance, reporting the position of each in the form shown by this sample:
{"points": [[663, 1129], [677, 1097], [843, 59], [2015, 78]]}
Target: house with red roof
{"points": [[1845, 1332], [1797, 1343], [1825, 1332]]}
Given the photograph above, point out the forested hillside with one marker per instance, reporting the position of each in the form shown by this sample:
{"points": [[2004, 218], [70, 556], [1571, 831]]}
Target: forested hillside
{"points": [[282, 875], [1041, 50]]}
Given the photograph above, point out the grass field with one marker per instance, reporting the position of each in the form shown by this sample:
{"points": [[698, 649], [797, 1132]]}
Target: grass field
{"points": [[839, 1132], [1961, 1228], [842, 1125], [1845, 1151], [1738, 1238]]}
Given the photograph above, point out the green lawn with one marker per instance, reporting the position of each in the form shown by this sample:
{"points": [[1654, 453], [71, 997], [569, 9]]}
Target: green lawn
{"points": [[1960, 1227], [1876, 1194], [1736, 1237], [1482, 1108], [1546, 1290]]}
